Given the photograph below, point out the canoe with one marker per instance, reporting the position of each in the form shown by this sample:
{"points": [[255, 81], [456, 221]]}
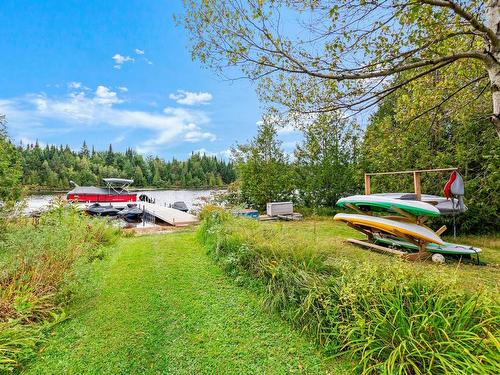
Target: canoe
{"points": [[446, 248], [395, 228], [381, 203]]}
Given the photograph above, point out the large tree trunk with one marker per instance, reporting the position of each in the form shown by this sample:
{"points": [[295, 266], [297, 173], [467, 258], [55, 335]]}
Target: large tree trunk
{"points": [[494, 75], [493, 23]]}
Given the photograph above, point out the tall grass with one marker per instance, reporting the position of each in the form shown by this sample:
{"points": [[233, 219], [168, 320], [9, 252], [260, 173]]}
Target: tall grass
{"points": [[37, 264], [391, 318]]}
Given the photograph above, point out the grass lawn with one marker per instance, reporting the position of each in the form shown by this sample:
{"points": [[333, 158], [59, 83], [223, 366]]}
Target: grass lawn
{"points": [[159, 305], [325, 234]]}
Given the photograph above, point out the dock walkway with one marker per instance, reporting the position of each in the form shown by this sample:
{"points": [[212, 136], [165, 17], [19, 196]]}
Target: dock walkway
{"points": [[169, 215]]}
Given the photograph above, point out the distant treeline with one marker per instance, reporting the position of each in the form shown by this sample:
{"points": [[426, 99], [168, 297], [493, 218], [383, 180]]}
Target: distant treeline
{"points": [[55, 166]]}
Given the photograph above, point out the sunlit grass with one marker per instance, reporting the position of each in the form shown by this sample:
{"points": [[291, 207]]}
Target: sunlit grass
{"points": [[392, 316], [162, 307]]}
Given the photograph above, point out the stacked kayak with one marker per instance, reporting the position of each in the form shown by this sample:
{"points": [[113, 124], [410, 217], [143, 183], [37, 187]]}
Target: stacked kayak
{"points": [[382, 203], [403, 229]]}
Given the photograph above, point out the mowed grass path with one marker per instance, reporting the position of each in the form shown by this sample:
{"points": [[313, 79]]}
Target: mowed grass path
{"points": [[162, 307]]}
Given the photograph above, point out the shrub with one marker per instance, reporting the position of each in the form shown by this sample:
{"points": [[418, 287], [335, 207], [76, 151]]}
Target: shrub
{"points": [[392, 318], [37, 261]]}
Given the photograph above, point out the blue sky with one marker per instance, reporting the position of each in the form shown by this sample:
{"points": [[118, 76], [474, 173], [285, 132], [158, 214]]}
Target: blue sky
{"points": [[115, 72]]}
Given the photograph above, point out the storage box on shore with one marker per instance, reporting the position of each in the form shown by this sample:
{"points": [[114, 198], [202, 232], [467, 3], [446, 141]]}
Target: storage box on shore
{"points": [[279, 208]]}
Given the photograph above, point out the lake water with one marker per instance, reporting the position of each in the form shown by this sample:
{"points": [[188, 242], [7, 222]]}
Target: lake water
{"points": [[192, 198]]}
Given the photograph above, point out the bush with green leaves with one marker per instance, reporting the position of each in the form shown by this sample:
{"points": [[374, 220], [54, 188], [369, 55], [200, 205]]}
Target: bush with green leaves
{"points": [[391, 317], [39, 264]]}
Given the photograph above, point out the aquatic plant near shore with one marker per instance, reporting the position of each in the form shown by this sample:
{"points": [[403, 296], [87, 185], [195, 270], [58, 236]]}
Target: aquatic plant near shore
{"points": [[392, 318]]}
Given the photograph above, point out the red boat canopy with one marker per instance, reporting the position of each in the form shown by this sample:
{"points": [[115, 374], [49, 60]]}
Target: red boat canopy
{"points": [[97, 194]]}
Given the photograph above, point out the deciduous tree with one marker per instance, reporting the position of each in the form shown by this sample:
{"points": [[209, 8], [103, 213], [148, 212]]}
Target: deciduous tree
{"points": [[327, 160], [263, 168], [325, 55]]}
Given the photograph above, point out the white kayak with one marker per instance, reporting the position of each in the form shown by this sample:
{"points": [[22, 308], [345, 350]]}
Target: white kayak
{"points": [[444, 205], [382, 203]]}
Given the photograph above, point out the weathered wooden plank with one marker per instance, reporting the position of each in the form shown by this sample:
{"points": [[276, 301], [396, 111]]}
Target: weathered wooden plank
{"points": [[412, 171], [367, 184], [377, 247]]}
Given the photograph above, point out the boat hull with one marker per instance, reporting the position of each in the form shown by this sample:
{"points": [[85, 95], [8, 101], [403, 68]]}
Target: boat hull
{"points": [[102, 197]]}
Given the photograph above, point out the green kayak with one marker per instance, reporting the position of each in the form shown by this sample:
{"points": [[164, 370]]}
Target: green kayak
{"points": [[446, 248]]}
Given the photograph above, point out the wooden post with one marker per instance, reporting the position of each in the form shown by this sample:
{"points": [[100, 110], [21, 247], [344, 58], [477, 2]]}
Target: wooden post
{"points": [[418, 187], [367, 184], [441, 230]]}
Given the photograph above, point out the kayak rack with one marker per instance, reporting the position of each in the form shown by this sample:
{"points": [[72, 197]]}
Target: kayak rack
{"points": [[422, 254], [378, 248], [416, 178]]}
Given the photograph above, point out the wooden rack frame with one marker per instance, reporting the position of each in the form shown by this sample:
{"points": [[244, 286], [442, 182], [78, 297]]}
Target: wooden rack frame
{"points": [[416, 178]]}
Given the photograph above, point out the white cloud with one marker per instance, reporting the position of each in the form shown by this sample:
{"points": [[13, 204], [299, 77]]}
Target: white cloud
{"points": [[118, 139], [204, 151], [139, 51], [191, 98], [74, 85], [120, 60], [103, 95], [123, 88], [148, 61], [197, 136], [225, 154], [65, 114]]}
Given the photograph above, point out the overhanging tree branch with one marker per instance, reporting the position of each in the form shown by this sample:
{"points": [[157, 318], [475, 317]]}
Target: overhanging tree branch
{"points": [[465, 14]]}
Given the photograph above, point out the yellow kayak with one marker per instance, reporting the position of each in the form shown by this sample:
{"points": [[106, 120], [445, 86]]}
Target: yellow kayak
{"points": [[392, 227]]}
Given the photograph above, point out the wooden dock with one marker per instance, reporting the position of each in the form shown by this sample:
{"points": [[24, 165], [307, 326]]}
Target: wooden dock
{"points": [[169, 215]]}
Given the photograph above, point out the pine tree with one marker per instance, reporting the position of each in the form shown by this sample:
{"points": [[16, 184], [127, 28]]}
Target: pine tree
{"points": [[84, 151]]}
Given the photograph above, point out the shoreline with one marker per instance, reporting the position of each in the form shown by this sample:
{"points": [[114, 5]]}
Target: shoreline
{"points": [[58, 191]]}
